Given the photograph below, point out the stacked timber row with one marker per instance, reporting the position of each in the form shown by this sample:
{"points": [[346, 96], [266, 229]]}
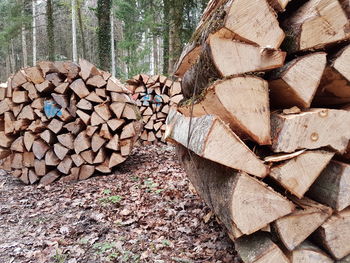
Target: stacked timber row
{"points": [[63, 120], [154, 95], [268, 127]]}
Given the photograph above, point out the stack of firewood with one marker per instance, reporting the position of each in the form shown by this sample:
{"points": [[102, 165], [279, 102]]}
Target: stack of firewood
{"points": [[63, 120], [266, 125], [154, 95]]}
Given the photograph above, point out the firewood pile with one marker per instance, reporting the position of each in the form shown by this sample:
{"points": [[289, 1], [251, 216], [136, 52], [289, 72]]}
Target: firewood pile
{"points": [[264, 129], [65, 121], [154, 95]]}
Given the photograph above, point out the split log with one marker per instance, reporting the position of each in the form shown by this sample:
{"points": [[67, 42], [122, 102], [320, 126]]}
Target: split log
{"points": [[115, 160], [334, 234], [79, 88], [297, 81], [332, 187], [33, 178], [311, 129], [259, 248], [87, 69], [39, 149], [298, 174], [210, 138], [51, 158], [86, 171], [222, 57], [308, 253], [49, 178], [234, 196], [40, 167], [294, 228], [60, 151], [335, 87], [243, 102], [81, 143], [306, 28]]}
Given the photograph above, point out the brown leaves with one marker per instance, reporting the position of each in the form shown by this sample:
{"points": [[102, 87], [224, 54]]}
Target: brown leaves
{"points": [[143, 213]]}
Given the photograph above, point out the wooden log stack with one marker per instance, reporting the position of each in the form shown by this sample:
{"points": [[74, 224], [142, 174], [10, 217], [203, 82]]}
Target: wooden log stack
{"points": [[67, 121], [154, 95], [264, 129]]}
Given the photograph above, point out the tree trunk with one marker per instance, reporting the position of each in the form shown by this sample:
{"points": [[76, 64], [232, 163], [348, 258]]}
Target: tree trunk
{"points": [[50, 27], [13, 60], [104, 33], [112, 45], [81, 26], [166, 33], [175, 29], [155, 54], [74, 32], [24, 41], [34, 31]]}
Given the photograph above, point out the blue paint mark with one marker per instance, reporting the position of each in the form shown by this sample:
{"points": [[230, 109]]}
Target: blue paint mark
{"points": [[146, 98], [51, 109], [158, 99]]}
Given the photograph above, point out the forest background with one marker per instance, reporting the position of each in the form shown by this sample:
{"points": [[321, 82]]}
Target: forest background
{"points": [[125, 37]]}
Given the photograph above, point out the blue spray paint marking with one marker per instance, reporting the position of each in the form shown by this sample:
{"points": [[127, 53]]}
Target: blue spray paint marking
{"points": [[146, 98], [158, 99], [51, 109]]}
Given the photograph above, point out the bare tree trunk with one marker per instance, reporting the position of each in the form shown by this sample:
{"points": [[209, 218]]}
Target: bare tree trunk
{"points": [[120, 53], [155, 54], [24, 47], [8, 65], [112, 45], [24, 42], [13, 61], [74, 31], [34, 31], [50, 30], [166, 33], [81, 26], [104, 32], [175, 28]]}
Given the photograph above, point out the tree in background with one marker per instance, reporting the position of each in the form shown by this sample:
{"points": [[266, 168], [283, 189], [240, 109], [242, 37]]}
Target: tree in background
{"points": [[143, 40], [74, 31], [34, 30], [50, 28], [104, 33], [175, 32]]}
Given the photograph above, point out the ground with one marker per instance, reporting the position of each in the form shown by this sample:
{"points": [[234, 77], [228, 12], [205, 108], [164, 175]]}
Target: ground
{"points": [[146, 212]]}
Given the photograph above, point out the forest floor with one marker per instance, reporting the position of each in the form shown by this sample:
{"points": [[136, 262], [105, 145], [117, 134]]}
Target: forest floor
{"points": [[146, 212]]}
